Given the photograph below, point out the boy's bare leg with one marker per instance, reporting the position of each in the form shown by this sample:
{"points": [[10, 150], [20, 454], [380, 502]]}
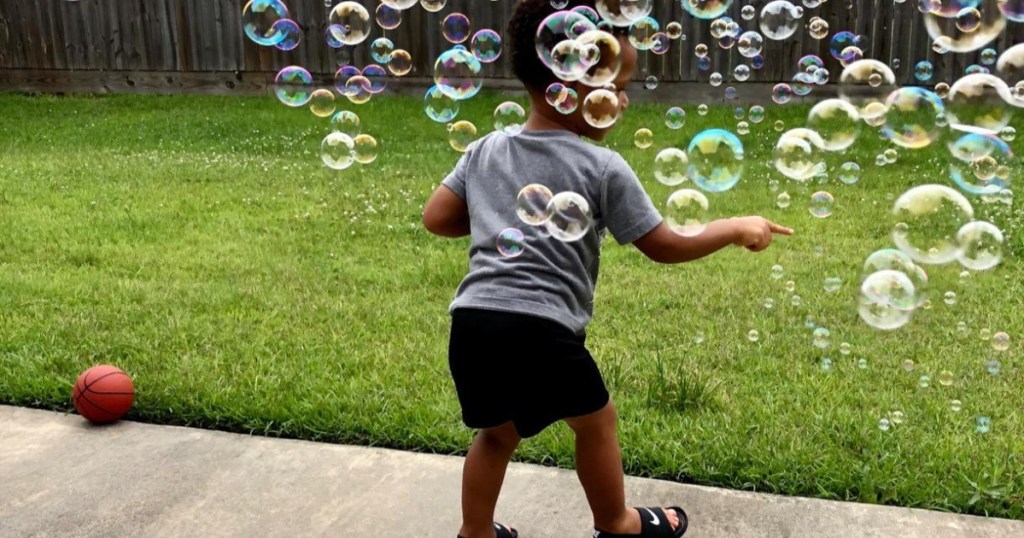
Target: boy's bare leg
{"points": [[599, 468], [482, 475]]}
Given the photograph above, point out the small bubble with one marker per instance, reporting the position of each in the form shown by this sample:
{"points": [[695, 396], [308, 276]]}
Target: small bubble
{"points": [[826, 364], [753, 335], [862, 363], [983, 425], [896, 417], [908, 365], [993, 366], [924, 381], [844, 348], [883, 424], [955, 406], [945, 378]]}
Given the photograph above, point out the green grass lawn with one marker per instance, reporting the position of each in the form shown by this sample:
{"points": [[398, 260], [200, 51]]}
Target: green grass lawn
{"points": [[199, 244]]}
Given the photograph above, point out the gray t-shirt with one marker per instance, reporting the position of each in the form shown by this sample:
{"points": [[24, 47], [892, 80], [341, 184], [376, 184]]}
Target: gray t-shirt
{"points": [[551, 279]]}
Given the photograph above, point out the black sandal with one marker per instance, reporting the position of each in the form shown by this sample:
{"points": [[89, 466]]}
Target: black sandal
{"points": [[653, 524], [502, 531]]}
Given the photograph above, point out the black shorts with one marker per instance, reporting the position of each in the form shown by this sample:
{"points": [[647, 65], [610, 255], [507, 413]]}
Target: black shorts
{"points": [[527, 369]]}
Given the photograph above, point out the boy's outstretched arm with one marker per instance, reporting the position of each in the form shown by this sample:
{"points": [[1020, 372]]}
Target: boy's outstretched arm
{"points": [[446, 214], [662, 245]]}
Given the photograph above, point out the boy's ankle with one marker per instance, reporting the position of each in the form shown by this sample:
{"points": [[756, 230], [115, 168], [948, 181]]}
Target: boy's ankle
{"points": [[622, 523]]}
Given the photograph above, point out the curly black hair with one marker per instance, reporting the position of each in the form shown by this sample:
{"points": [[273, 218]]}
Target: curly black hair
{"points": [[521, 35]]}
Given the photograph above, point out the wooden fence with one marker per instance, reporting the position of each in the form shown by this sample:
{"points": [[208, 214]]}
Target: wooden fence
{"points": [[195, 44]]}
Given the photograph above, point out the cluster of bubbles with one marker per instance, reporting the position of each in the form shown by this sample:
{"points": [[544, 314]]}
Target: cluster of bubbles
{"points": [[931, 224]]}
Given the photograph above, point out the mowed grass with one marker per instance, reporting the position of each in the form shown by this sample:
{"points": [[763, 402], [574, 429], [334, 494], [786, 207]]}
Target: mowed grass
{"points": [[199, 244]]}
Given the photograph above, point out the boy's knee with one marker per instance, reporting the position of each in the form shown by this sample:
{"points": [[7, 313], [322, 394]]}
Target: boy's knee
{"points": [[600, 421], [504, 437]]}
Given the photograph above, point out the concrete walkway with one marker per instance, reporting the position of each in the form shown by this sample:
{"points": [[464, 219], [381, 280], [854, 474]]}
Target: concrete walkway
{"points": [[61, 477]]}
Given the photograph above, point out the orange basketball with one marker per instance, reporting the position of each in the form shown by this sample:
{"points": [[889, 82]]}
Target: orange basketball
{"points": [[103, 394]]}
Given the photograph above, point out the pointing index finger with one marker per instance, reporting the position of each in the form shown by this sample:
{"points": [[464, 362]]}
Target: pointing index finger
{"points": [[775, 228]]}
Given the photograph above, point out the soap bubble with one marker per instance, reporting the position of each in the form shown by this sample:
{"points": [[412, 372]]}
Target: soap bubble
{"points": [[400, 4], [750, 44], [344, 75], [455, 28], [716, 160], [561, 98], [643, 138], [818, 28], [259, 18], [388, 18], [509, 117], [381, 50], [967, 29], [532, 204], [291, 32], [608, 60], [601, 108], [365, 149], [836, 121], [981, 163], [675, 118], [884, 424], [841, 41], [977, 103], [981, 245], [782, 93], [623, 12], [670, 166], [461, 135], [321, 103], [927, 219], [511, 242], [820, 337], [352, 22], [439, 106], [674, 30], [686, 212], [337, 151], [802, 84], [923, 71], [433, 6], [556, 28], [486, 45], [783, 200], [570, 216], [756, 114], [796, 156], [849, 173], [377, 76], [457, 74], [886, 300], [866, 81], [1010, 68], [741, 73], [897, 260], [706, 9], [357, 89], [780, 19], [346, 122], [753, 335], [401, 63], [293, 86], [911, 117], [821, 204], [1000, 341], [641, 33]]}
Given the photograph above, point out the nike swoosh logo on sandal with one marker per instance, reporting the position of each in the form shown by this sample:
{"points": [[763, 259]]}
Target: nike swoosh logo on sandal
{"points": [[654, 518]]}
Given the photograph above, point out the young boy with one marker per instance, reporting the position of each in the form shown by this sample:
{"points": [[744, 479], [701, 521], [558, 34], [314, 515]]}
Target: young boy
{"points": [[516, 350]]}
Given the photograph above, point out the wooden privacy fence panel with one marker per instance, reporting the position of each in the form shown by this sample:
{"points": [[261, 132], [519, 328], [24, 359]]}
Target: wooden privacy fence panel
{"points": [[204, 36]]}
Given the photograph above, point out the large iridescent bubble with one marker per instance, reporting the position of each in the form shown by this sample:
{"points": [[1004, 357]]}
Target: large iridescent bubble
{"points": [[977, 103], [716, 160], [912, 117], [780, 19], [837, 122], [623, 12], [865, 82], [293, 86], [926, 219], [259, 18], [350, 22], [981, 163], [556, 28], [987, 23], [706, 9], [457, 73]]}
